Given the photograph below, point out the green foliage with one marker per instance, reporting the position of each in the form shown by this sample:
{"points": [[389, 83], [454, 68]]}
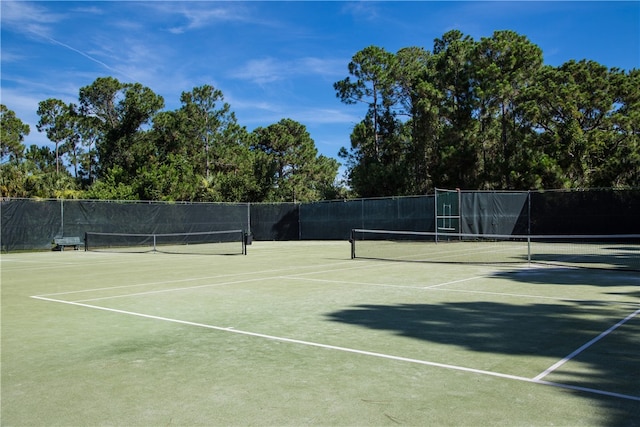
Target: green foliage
{"points": [[12, 180], [488, 115], [483, 114], [291, 165], [56, 121], [12, 133], [112, 187], [119, 112]]}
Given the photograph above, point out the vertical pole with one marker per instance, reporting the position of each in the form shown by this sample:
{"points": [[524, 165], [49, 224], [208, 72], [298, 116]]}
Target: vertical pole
{"points": [[154, 243], [459, 214], [248, 218], [353, 244], [62, 217], [529, 228], [529, 212], [435, 195], [299, 221]]}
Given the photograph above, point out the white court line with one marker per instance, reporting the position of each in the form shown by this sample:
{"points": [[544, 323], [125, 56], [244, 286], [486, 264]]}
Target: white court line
{"points": [[348, 350], [192, 279], [454, 282], [160, 291], [264, 277], [208, 285], [386, 285], [298, 277], [585, 346], [291, 277], [137, 285], [19, 265], [342, 282], [435, 288]]}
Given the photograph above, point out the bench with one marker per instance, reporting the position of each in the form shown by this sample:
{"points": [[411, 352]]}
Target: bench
{"points": [[61, 242]]}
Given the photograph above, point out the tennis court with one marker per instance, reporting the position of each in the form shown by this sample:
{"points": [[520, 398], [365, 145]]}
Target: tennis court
{"points": [[298, 333]]}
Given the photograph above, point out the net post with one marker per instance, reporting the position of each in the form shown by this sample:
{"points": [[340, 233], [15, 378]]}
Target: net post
{"points": [[86, 241], [154, 244], [246, 239], [352, 240], [528, 251]]}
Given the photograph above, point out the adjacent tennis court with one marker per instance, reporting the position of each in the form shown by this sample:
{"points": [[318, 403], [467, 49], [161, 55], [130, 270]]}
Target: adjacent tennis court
{"points": [[298, 333]]}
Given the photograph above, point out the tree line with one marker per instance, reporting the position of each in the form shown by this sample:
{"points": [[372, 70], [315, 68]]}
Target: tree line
{"points": [[484, 114], [488, 114], [116, 143]]}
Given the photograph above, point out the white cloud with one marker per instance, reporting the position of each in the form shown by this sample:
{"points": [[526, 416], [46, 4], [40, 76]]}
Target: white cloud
{"points": [[261, 113], [28, 18], [325, 116], [366, 10], [198, 15], [12, 56], [197, 19], [262, 71], [94, 10], [268, 70], [34, 20]]}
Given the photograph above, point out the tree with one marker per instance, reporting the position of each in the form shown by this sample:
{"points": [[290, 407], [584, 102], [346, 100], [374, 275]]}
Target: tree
{"points": [[118, 112], [113, 186], [12, 133], [204, 122], [487, 115], [89, 134], [41, 159], [377, 161], [587, 119], [57, 120], [416, 91], [505, 65], [204, 141], [621, 167], [296, 172], [12, 179], [371, 68], [456, 159]]}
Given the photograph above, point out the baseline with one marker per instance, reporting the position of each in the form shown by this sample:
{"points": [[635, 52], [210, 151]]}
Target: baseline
{"points": [[349, 350]]}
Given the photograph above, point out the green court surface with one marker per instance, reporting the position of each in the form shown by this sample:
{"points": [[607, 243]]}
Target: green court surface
{"points": [[297, 333]]}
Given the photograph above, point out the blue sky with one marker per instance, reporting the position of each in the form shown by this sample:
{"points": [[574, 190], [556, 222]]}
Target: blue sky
{"points": [[272, 60]]}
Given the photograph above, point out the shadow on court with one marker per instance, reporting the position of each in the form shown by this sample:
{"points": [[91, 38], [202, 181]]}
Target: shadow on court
{"points": [[564, 276], [536, 329], [571, 276], [621, 259]]}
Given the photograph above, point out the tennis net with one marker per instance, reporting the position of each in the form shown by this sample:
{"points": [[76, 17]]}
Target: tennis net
{"points": [[620, 252], [229, 242]]}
